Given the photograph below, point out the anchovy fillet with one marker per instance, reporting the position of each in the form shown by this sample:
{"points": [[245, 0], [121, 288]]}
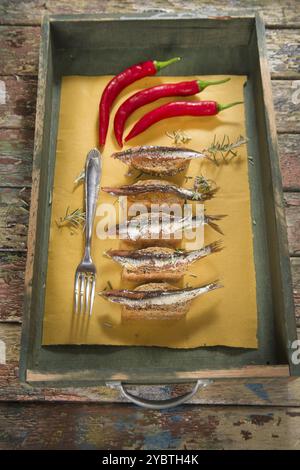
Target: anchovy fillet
{"points": [[157, 152], [155, 298], [161, 258], [157, 225], [183, 193]]}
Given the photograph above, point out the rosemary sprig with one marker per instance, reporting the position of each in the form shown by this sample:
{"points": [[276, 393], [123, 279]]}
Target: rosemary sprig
{"points": [[178, 137], [108, 286], [224, 150], [203, 185], [72, 219]]}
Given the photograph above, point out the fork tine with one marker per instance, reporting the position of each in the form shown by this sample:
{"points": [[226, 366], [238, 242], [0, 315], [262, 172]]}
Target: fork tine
{"points": [[92, 294], [87, 293], [82, 276], [76, 292]]}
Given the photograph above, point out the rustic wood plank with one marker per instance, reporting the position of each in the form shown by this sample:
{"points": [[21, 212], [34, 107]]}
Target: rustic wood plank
{"points": [[18, 110], [16, 148], [277, 228], [283, 48], [295, 265], [17, 106], [263, 391], [255, 372], [278, 13], [10, 335], [286, 96], [240, 391], [12, 267], [289, 145], [69, 426], [14, 205], [19, 48], [259, 391], [292, 205]]}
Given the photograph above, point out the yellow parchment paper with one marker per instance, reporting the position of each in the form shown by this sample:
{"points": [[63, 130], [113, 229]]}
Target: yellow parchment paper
{"points": [[226, 316]]}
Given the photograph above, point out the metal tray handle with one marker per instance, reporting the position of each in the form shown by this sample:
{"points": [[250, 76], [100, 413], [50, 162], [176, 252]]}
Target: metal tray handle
{"points": [[162, 404]]}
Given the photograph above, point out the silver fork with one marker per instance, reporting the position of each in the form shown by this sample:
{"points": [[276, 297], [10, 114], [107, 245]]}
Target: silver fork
{"points": [[85, 276]]}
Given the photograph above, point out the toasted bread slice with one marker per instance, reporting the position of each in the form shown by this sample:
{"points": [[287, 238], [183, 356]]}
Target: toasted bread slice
{"points": [[139, 276], [161, 167], [152, 273], [171, 242], [165, 312], [148, 199], [159, 263]]}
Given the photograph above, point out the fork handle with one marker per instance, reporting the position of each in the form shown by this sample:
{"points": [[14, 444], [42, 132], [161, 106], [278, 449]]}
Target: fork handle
{"points": [[92, 180]]}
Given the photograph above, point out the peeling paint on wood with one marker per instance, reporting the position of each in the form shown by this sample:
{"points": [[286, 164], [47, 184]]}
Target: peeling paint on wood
{"points": [[12, 267], [71, 426], [287, 110], [19, 109], [14, 212], [284, 52], [16, 148], [289, 145], [10, 334], [2, 92], [295, 264], [281, 13], [292, 209], [2, 352], [19, 50]]}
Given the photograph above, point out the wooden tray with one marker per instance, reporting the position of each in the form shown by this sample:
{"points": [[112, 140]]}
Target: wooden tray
{"points": [[90, 45]]}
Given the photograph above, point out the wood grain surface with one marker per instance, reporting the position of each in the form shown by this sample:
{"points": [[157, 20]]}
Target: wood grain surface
{"points": [[267, 412], [73, 426]]}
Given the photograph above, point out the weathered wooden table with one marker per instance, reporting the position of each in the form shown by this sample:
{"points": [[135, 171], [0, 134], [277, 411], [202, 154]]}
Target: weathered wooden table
{"points": [[261, 415]]}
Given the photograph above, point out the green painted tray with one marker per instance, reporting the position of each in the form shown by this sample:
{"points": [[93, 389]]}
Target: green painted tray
{"points": [[91, 45]]}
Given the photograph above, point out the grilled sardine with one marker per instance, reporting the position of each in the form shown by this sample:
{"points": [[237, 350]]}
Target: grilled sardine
{"points": [[156, 297], [158, 160], [144, 187], [161, 226]]}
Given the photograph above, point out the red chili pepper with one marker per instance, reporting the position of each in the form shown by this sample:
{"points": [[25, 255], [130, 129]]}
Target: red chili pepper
{"points": [[119, 82], [177, 108], [141, 98]]}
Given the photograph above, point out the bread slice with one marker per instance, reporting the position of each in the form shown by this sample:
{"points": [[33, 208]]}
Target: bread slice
{"points": [[148, 199], [135, 276], [171, 242], [167, 167], [166, 312], [142, 274]]}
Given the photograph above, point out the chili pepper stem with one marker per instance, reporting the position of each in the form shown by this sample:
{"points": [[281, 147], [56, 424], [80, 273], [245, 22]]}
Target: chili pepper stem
{"points": [[162, 64], [203, 83], [226, 106]]}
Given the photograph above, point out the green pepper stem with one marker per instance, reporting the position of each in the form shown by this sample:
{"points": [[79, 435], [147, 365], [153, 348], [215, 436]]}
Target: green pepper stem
{"points": [[226, 106], [161, 64], [203, 83]]}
